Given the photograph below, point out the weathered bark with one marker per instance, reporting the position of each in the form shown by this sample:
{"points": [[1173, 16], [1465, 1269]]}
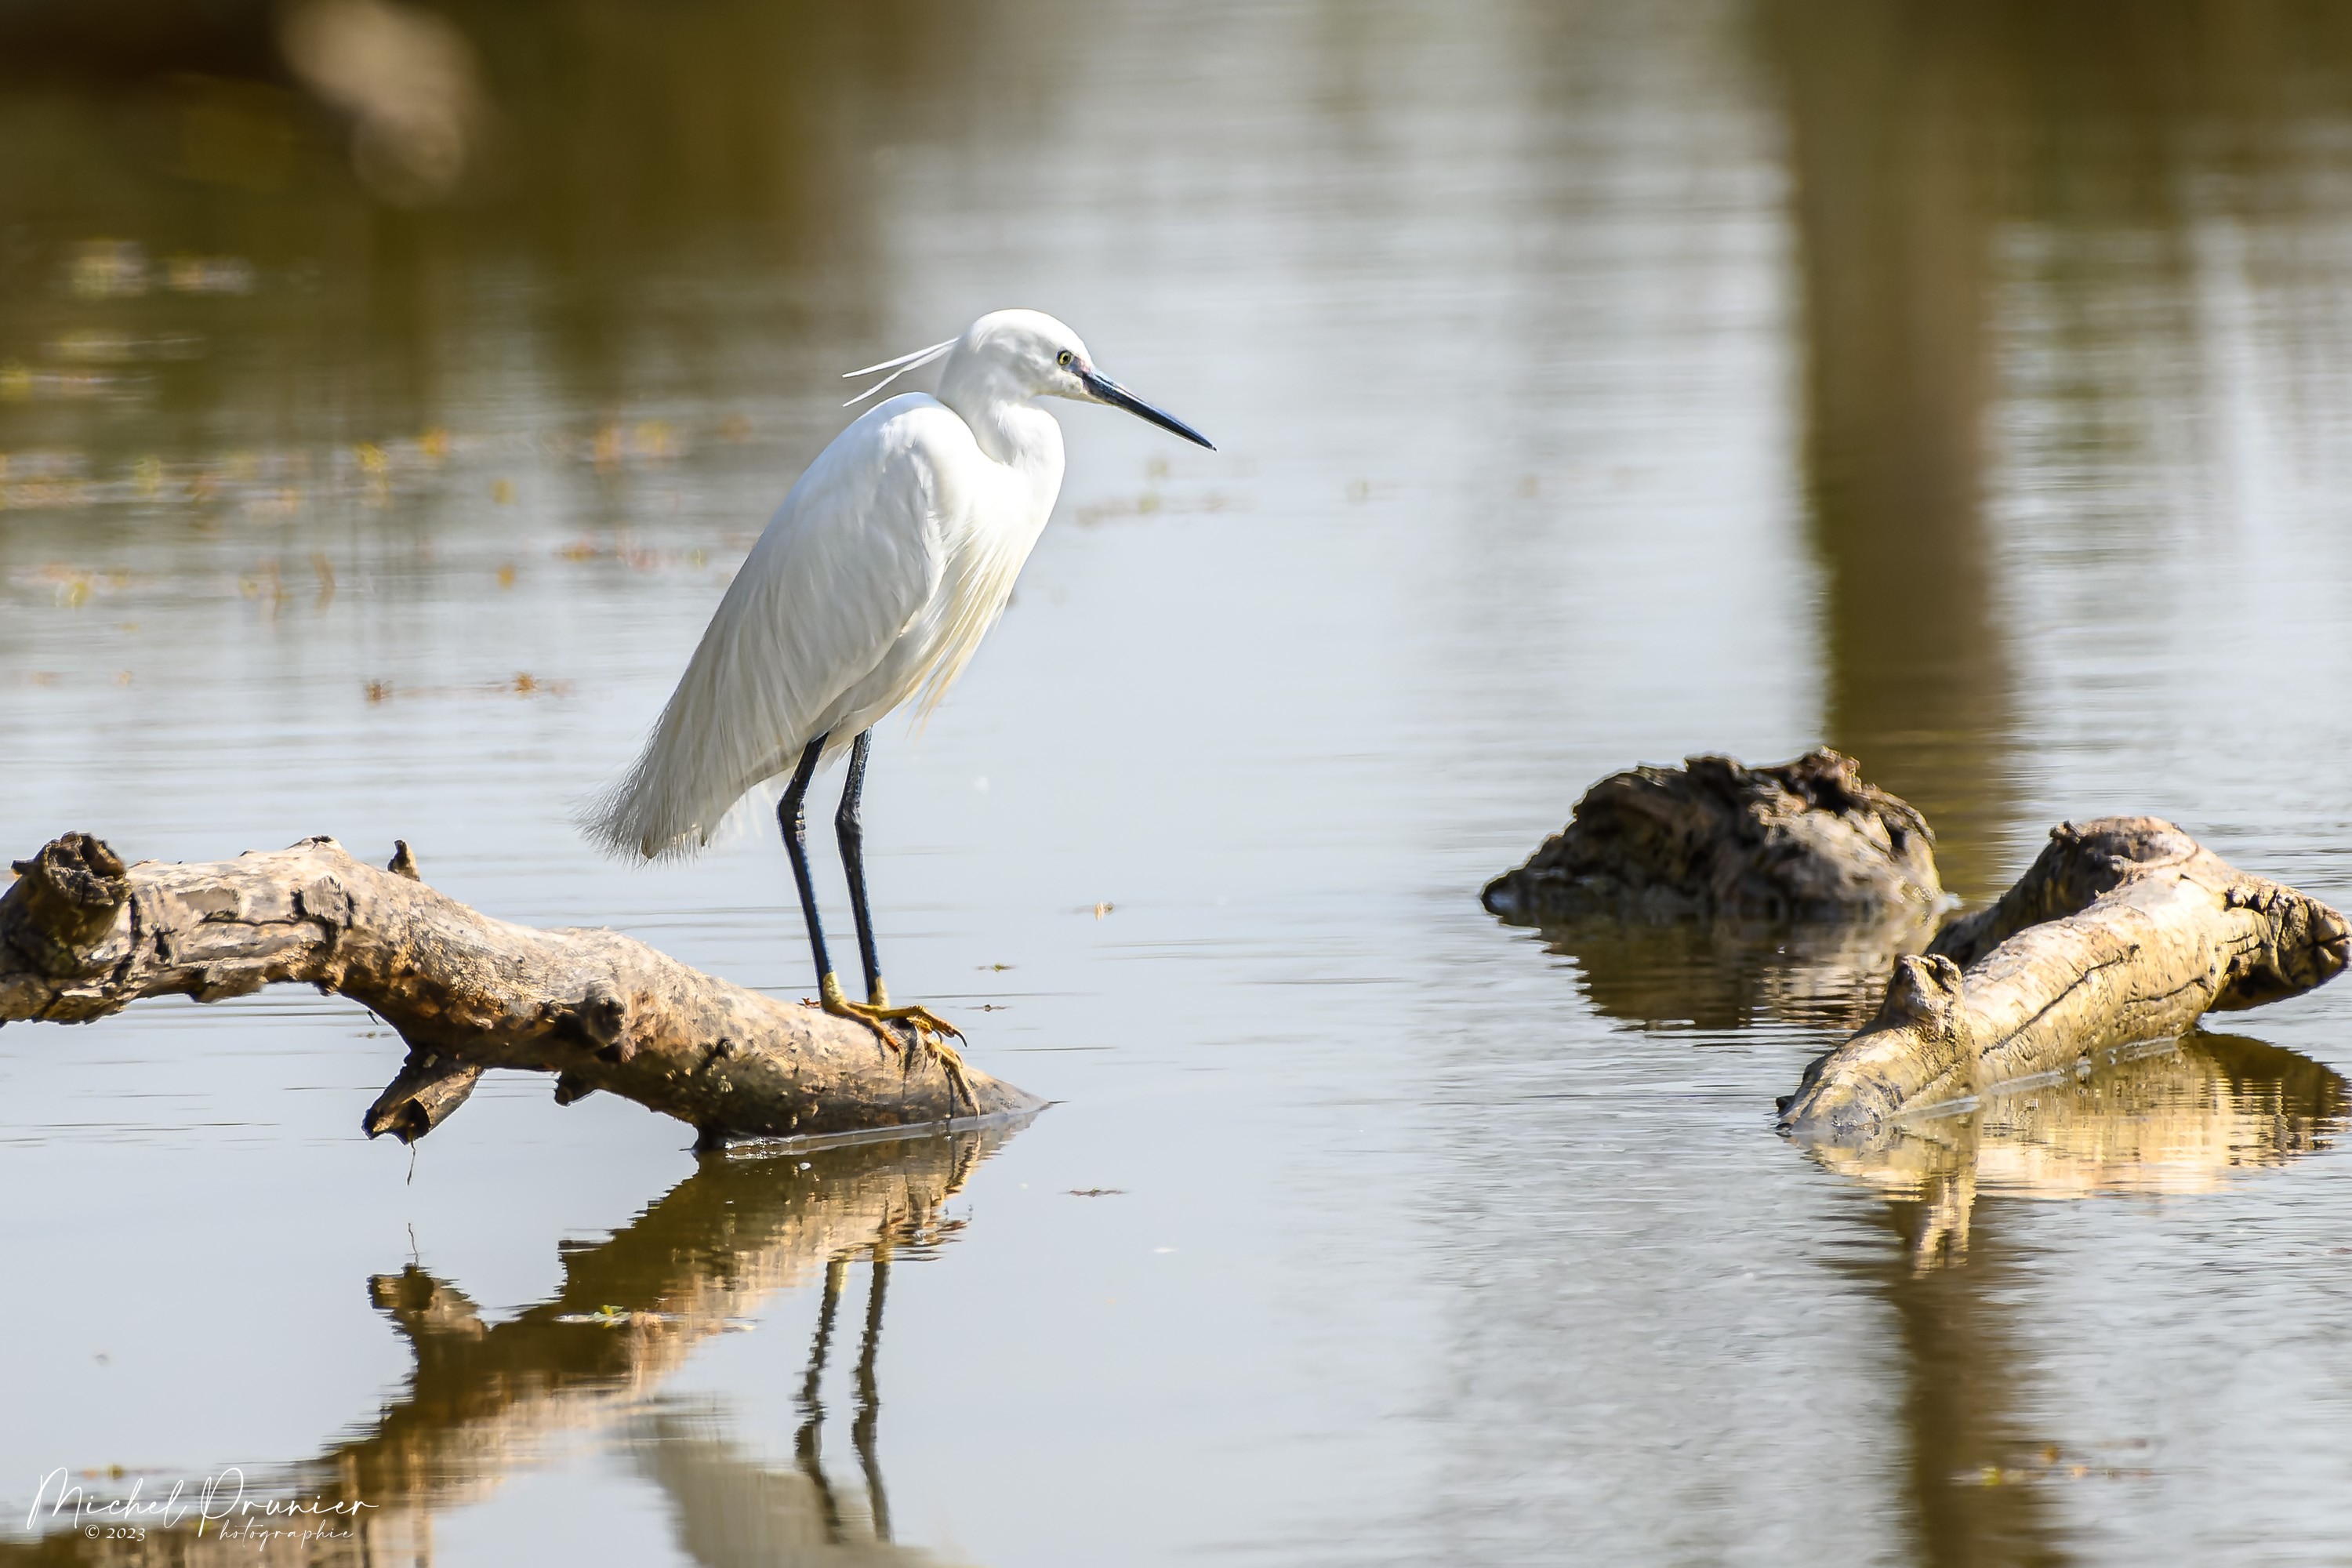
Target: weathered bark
{"points": [[82, 936], [1807, 839], [2124, 930], [427, 1091]]}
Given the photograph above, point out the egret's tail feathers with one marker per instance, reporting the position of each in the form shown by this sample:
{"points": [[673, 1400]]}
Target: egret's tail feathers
{"points": [[897, 367], [616, 822], [670, 803], [627, 821]]}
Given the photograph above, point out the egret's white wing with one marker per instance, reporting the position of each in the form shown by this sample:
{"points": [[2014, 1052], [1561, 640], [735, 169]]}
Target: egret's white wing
{"points": [[848, 563]]}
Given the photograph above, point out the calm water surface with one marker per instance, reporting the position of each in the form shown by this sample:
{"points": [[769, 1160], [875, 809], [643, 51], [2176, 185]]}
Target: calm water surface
{"points": [[1596, 385]]}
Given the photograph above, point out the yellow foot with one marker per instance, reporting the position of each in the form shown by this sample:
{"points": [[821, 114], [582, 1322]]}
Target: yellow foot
{"points": [[928, 1028]]}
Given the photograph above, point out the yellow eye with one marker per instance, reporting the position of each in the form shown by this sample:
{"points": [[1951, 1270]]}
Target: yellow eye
{"points": [[1063, 358]]}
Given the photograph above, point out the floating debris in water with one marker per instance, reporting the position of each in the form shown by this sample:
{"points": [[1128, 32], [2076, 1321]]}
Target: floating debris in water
{"points": [[291, 483], [622, 550], [21, 384], [209, 275], [71, 587], [523, 684], [264, 583], [1151, 503], [91, 346], [107, 269]]}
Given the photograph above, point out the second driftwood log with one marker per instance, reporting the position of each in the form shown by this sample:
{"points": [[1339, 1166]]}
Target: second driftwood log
{"points": [[83, 935], [2125, 928]]}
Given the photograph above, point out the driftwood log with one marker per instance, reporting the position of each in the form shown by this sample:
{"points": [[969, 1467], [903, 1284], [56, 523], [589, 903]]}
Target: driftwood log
{"points": [[2124, 930], [1805, 840], [83, 935]]}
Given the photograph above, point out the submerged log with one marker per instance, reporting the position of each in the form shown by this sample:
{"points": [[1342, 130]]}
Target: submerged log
{"points": [[1805, 840], [82, 936], [2124, 930]]}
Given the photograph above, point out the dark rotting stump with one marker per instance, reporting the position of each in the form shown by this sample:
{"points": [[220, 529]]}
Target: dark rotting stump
{"points": [[1805, 840]]}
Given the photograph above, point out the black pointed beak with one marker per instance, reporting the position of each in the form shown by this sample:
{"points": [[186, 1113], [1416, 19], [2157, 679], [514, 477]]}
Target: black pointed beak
{"points": [[1104, 390]]}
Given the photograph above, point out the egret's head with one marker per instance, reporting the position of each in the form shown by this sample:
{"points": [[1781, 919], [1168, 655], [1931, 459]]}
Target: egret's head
{"points": [[1029, 355]]}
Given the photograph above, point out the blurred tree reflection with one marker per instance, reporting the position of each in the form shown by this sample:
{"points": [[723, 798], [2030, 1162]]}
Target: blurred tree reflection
{"points": [[1895, 202], [409, 190], [1919, 133]]}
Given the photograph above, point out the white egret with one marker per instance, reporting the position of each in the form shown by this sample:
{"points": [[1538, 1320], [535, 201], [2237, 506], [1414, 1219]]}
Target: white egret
{"points": [[888, 561]]}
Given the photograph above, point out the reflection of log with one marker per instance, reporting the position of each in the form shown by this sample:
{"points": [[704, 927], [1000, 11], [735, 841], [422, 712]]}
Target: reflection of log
{"points": [[486, 1398], [1729, 974], [630, 1311], [1805, 839], [82, 936], [2172, 1117], [2125, 929]]}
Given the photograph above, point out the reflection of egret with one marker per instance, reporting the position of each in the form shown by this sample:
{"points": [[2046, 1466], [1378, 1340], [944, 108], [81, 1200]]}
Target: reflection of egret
{"points": [[807, 1443], [486, 1398], [874, 582], [733, 1510]]}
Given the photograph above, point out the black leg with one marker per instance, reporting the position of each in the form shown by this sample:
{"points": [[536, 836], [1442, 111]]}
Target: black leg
{"points": [[795, 825], [925, 1027], [807, 1440], [869, 1401], [849, 826]]}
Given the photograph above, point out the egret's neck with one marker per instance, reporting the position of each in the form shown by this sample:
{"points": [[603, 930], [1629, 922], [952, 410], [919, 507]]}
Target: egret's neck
{"points": [[1009, 428]]}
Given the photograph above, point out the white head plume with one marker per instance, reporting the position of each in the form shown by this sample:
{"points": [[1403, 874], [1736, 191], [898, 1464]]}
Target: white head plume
{"points": [[897, 367]]}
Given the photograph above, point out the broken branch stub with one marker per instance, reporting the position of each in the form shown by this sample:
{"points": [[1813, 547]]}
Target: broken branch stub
{"points": [[81, 936], [1805, 840], [2124, 930]]}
